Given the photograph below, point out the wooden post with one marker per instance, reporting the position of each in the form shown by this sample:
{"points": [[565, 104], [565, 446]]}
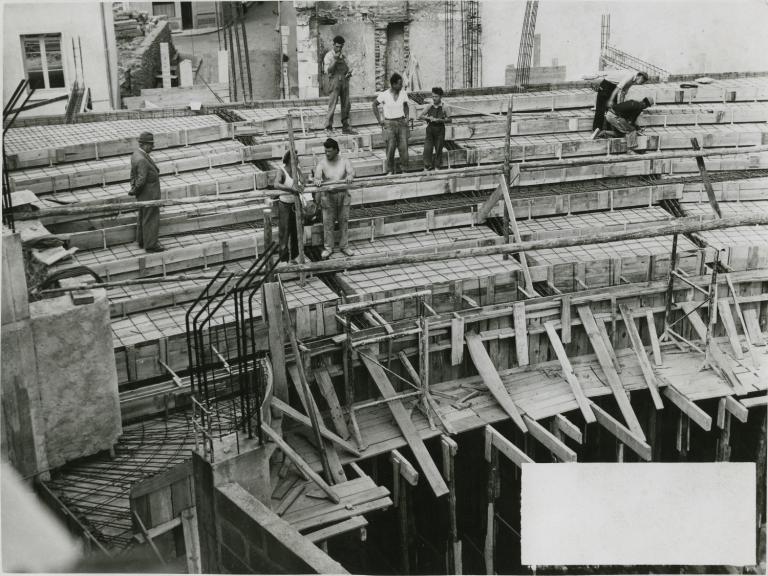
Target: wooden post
{"points": [[298, 210], [761, 488], [404, 474], [507, 136], [274, 317], [490, 525], [453, 549], [723, 452], [165, 64], [348, 366], [267, 213]]}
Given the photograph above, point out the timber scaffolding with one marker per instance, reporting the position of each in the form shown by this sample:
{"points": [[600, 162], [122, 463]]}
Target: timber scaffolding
{"points": [[546, 296]]}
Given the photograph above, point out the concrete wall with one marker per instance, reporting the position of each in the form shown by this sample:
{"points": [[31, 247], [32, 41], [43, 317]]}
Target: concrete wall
{"points": [[76, 376], [253, 539], [89, 22]]}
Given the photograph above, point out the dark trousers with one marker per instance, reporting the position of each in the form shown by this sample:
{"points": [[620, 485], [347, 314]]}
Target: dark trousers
{"points": [[601, 103], [335, 207], [396, 138], [434, 141], [339, 89], [286, 230], [148, 226]]}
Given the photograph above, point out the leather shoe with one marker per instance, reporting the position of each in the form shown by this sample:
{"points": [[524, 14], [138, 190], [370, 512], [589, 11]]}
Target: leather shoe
{"points": [[156, 248], [326, 254], [347, 252]]}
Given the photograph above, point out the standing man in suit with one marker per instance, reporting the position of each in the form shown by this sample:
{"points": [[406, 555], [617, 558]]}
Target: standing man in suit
{"points": [[145, 185]]}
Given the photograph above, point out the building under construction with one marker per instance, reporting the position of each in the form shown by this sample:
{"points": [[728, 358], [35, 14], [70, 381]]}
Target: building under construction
{"points": [[542, 298]]}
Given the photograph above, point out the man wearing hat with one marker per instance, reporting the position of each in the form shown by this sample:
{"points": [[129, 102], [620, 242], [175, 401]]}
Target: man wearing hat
{"points": [[145, 185], [333, 172], [338, 73]]}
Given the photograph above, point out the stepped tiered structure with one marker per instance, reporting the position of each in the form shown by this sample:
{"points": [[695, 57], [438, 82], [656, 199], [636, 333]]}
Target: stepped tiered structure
{"points": [[586, 341]]}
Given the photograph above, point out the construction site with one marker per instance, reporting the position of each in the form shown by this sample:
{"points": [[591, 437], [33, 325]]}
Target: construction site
{"points": [[544, 296]]}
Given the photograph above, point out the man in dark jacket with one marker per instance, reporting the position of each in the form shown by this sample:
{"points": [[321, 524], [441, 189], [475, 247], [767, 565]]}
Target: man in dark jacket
{"points": [[145, 185], [623, 117]]}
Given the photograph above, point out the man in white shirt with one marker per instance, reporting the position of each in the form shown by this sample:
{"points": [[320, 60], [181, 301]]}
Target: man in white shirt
{"points": [[612, 90], [394, 103], [338, 73]]}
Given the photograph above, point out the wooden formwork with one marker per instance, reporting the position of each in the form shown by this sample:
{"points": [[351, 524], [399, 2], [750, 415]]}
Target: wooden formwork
{"points": [[142, 339]]}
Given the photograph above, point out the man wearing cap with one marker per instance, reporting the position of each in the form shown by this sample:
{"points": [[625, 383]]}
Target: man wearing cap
{"points": [[333, 172], [145, 185], [338, 73]]}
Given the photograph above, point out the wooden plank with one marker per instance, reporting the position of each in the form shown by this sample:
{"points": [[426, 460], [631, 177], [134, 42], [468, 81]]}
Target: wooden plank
{"points": [[273, 314], [740, 314], [191, 541], [494, 439], [549, 440], [654, 337], [299, 462], [688, 407], [159, 530], [608, 345], [516, 233], [323, 379], [736, 408], [753, 324], [407, 428], [565, 319], [489, 205], [724, 310], [568, 428], [614, 382], [457, 341], [642, 357], [568, 373], [705, 179], [162, 480], [521, 333], [406, 469], [756, 401], [622, 433], [306, 421], [160, 506], [348, 525], [491, 378]]}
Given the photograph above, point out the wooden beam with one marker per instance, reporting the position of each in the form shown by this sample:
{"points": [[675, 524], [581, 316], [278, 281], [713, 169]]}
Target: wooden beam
{"points": [[521, 333], [742, 321], [348, 525], [724, 310], [705, 179], [494, 439], [516, 233], [489, 204], [491, 378], [654, 337], [406, 469], [323, 379], [568, 373], [688, 407], [191, 540], [403, 419], [736, 408], [457, 341], [274, 316], [549, 440], [449, 449], [614, 382], [568, 428], [300, 463], [622, 433], [327, 434], [642, 357], [755, 401], [753, 323], [445, 252], [608, 345]]}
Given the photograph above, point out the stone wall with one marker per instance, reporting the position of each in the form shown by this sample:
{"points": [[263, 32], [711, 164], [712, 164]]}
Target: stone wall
{"points": [[140, 60]]}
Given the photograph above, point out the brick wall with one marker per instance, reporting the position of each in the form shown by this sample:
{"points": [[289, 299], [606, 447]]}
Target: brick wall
{"points": [[142, 64]]}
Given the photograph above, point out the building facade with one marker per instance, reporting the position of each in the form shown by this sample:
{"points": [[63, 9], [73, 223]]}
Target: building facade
{"points": [[55, 45]]}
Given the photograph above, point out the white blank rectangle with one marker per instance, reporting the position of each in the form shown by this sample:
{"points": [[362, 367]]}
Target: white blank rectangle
{"points": [[645, 513]]}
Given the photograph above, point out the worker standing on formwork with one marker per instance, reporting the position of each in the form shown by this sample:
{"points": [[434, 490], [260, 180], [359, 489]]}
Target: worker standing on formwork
{"points": [[288, 238], [395, 124], [338, 73], [436, 115], [333, 170], [612, 90], [145, 185]]}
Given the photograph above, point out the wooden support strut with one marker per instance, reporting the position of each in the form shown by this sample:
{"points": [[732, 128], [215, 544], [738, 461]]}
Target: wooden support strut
{"points": [[453, 549], [614, 382], [491, 378], [622, 433], [642, 356], [568, 373]]}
